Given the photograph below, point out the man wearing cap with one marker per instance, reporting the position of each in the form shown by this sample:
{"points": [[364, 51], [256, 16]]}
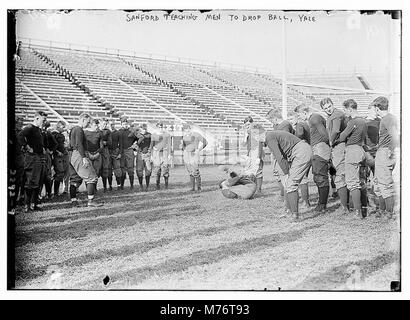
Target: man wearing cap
{"points": [[115, 154], [354, 135], [60, 156], [335, 124], [294, 158], [192, 144], [252, 144], [106, 166], [386, 157], [31, 140], [127, 139], [161, 153], [319, 140], [143, 158], [80, 167]]}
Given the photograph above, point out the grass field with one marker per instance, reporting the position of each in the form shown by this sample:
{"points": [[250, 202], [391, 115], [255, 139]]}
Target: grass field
{"points": [[177, 239]]}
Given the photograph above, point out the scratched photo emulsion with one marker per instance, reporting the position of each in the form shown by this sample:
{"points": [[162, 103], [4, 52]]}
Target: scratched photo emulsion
{"points": [[225, 150]]}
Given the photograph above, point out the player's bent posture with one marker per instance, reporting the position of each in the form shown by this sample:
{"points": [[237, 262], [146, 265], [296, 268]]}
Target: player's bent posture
{"points": [[127, 138], [192, 144], [354, 135], [31, 140], [386, 156], [115, 154], [336, 123], [319, 140], [276, 118], [80, 167], [144, 164], [60, 156], [161, 154], [106, 165], [294, 157], [255, 148]]}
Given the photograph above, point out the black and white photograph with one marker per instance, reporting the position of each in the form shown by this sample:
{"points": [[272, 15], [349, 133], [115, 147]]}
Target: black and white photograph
{"points": [[204, 150]]}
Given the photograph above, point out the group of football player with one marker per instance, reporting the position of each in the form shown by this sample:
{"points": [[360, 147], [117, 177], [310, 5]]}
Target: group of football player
{"points": [[50, 158], [355, 155]]}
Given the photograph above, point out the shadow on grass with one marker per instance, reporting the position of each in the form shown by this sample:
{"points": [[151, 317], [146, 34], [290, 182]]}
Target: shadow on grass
{"points": [[203, 257], [81, 229], [127, 196], [25, 273], [337, 276]]}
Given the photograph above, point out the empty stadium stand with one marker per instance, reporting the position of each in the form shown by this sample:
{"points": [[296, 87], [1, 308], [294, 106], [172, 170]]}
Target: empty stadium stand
{"points": [[67, 82]]}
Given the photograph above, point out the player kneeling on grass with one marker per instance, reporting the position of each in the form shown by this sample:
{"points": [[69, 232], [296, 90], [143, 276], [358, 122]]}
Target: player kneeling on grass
{"points": [[294, 158], [80, 166], [241, 183]]}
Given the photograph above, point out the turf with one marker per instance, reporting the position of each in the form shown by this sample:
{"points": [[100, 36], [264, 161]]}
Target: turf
{"points": [[182, 240]]}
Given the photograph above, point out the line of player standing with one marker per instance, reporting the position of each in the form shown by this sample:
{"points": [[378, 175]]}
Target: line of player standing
{"points": [[345, 147], [91, 149]]}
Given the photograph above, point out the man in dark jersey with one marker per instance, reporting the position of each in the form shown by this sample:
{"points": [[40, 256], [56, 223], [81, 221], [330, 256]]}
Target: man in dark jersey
{"points": [[336, 123], [115, 154], [302, 131], [371, 144], [127, 139], [143, 159], [80, 167], [60, 156], [50, 145], [31, 140], [276, 118], [294, 158], [252, 144], [161, 154], [319, 140], [19, 164], [94, 145], [354, 135], [66, 180], [193, 143], [386, 156], [106, 166]]}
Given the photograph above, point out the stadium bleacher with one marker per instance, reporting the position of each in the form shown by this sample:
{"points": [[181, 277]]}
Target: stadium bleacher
{"points": [[69, 82]]}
